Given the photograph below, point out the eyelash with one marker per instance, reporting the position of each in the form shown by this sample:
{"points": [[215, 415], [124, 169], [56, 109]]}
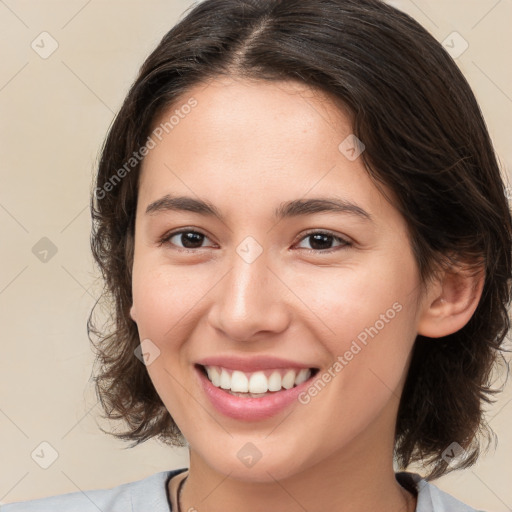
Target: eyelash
{"points": [[345, 243]]}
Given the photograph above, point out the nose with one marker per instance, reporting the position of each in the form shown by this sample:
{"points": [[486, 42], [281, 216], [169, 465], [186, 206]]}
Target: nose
{"points": [[250, 300]]}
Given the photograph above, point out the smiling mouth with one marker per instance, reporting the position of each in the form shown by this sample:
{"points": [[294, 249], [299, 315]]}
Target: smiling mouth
{"points": [[256, 384]]}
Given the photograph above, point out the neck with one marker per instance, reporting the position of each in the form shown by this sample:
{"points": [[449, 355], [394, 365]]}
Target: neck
{"points": [[335, 483]]}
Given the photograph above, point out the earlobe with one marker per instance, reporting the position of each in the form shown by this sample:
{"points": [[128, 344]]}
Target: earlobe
{"points": [[452, 302], [132, 313]]}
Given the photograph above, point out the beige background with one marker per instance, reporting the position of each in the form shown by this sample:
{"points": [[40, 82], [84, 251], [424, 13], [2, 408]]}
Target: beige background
{"points": [[55, 112]]}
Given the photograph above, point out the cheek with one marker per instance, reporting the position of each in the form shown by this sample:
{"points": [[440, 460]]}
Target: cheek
{"points": [[350, 301], [369, 350], [366, 321], [165, 299]]}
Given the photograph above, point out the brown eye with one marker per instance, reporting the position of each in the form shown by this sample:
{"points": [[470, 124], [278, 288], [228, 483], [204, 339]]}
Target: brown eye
{"points": [[320, 241], [186, 239]]}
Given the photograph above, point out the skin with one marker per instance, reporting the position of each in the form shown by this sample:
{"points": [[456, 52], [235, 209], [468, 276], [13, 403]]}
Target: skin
{"points": [[247, 147]]}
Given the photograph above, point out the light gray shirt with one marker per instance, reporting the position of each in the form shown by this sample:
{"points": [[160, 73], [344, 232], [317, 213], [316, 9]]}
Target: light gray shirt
{"points": [[150, 495]]}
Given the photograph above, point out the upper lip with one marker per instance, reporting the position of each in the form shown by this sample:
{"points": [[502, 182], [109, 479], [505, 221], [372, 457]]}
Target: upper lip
{"points": [[251, 364]]}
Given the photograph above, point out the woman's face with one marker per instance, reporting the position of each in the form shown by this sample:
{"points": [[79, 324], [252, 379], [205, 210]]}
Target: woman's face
{"points": [[295, 261]]}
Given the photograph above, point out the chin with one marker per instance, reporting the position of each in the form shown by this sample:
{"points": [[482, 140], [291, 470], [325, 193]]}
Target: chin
{"points": [[258, 465]]}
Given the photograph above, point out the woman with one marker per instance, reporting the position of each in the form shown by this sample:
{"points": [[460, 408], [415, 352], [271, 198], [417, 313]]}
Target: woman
{"points": [[302, 225]]}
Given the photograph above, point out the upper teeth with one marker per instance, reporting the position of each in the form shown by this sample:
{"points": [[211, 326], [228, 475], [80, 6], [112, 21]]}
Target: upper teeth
{"points": [[256, 382]]}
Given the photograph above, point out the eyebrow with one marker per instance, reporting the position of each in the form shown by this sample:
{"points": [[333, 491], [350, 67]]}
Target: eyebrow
{"points": [[294, 208]]}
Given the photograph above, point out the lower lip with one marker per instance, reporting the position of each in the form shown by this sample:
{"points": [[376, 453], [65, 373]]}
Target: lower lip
{"points": [[250, 409]]}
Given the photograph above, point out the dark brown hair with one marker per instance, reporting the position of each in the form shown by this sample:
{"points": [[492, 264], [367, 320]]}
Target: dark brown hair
{"points": [[425, 140]]}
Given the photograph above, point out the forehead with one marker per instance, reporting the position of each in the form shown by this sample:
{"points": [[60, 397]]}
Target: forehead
{"points": [[262, 99], [270, 141]]}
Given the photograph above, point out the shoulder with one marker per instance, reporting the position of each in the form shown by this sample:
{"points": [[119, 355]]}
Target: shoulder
{"points": [[149, 493], [430, 497]]}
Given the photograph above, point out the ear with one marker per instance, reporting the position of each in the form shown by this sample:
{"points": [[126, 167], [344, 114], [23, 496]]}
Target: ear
{"points": [[132, 313], [451, 301]]}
